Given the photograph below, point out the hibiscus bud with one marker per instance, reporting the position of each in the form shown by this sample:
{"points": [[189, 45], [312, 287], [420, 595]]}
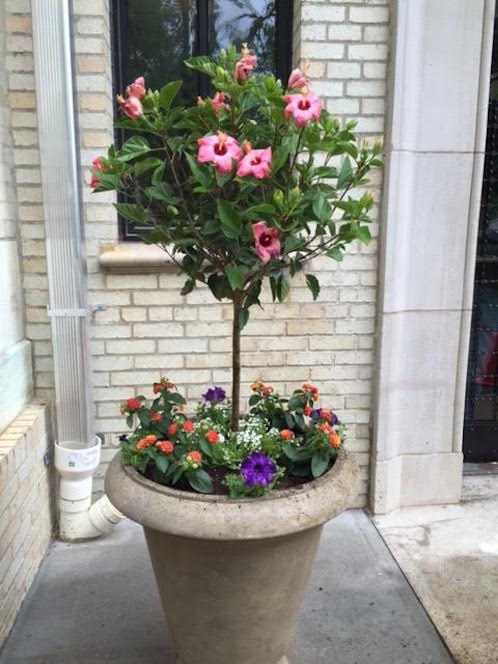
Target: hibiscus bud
{"points": [[131, 107], [137, 88], [297, 80]]}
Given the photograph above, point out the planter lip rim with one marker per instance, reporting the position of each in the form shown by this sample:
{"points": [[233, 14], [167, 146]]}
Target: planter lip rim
{"points": [[224, 499], [215, 517]]}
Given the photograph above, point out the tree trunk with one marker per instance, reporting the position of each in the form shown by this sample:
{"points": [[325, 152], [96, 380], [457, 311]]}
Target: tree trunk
{"points": [[237, 306]]}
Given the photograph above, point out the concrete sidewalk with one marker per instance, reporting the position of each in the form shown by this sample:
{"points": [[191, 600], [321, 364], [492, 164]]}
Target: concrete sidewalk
{"points": [[96, 603]]}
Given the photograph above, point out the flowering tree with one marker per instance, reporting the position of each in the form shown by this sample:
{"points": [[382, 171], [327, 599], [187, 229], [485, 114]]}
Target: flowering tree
{"points": [[241, 187]]}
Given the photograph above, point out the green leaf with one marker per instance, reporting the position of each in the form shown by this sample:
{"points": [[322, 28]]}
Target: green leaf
{"points": [[283, 288], [237, 275], [254, 399], [295, 454], [261, 208], [176, 398], [162, 463], [132, 148], [131, 212], [243, 317], [219, 286], [206, 447], [321, 208], [289, 420], [202, 63], [146, 165], [231, 220], [200, 174], [200, 481], [345, 174], [364, 234], [188, 287], [319, 464], [335, 253], [313, 285], [168, 93]]}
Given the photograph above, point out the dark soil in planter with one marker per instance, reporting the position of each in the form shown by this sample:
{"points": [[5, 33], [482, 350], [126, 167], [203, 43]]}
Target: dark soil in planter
{"points": [[218, 475]]}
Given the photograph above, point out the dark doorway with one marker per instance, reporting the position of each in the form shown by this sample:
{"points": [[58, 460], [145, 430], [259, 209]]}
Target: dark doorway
{"points": [[480, 440]]}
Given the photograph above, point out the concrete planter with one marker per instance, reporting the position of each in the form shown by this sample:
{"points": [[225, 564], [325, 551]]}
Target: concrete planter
{"points": [[232, 573]]}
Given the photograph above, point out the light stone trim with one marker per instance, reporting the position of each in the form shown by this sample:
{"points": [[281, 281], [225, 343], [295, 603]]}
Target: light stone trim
{"points": [[439, 96]]}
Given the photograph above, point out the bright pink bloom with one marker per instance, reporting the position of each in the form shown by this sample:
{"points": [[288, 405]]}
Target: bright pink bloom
{"points": [[219, 149], [132, 107], [256, 163], [137, 88], [266, 241], [303, 108], [96, 166], [297, 80], [245, 65], [219, 101]]}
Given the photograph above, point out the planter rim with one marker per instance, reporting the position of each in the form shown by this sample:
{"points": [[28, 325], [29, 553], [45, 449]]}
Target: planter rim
{"points": [[214, 517]]}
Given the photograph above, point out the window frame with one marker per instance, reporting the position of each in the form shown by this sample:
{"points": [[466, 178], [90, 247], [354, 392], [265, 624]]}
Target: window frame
{"points": [[119, 24]]}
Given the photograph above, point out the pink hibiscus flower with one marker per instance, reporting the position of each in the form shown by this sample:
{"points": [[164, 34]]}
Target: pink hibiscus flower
{"points": [[303, 107], [132, 107], [219, 101], [255, 162], [96, 166], [266, 241], [137, 88], [219, 149]]}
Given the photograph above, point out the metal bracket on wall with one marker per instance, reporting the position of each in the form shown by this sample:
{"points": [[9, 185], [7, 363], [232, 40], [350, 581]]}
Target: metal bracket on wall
{"points": [[68, 313]]}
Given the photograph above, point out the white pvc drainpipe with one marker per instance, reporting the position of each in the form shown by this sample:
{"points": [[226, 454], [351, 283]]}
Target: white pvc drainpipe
{"points": [[77, 455]]}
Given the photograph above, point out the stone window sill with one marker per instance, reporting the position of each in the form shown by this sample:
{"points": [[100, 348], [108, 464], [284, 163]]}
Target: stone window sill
{"points": [[135, 257]]}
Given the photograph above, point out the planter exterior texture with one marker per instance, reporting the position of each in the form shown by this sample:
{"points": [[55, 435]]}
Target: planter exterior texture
{"points": [[232, 573]]}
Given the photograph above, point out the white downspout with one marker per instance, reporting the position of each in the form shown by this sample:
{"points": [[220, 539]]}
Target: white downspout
{"points": [[77, 455]]}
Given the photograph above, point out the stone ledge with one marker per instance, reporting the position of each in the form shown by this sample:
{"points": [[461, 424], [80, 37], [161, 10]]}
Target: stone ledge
{"points": [[135, 257], [28, 430]]}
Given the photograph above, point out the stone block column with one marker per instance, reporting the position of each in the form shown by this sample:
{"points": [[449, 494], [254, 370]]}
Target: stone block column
{"points": [[436, 136]]}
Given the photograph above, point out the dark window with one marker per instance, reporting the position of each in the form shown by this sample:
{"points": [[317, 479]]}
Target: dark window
{"points": [[152, 38]]}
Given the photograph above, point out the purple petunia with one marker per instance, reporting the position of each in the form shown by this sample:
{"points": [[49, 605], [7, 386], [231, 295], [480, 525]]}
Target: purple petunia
{"points": [[215, 394], [257, 470], [316, 413]]}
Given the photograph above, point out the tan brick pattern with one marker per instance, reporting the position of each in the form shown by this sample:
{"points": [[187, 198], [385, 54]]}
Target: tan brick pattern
{"points": [[148, 329], [26, 508]]}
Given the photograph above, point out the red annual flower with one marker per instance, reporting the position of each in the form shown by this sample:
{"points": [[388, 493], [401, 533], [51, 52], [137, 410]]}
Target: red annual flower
{"points": [[155, 416], [131, 405], [194, 456], [326, 414], [188, 426], [308, 387], [307, 410], [286, 434], [162, 385], [165, 446], [212, 437], [172, 429], [145, 442], [334, 440]]}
